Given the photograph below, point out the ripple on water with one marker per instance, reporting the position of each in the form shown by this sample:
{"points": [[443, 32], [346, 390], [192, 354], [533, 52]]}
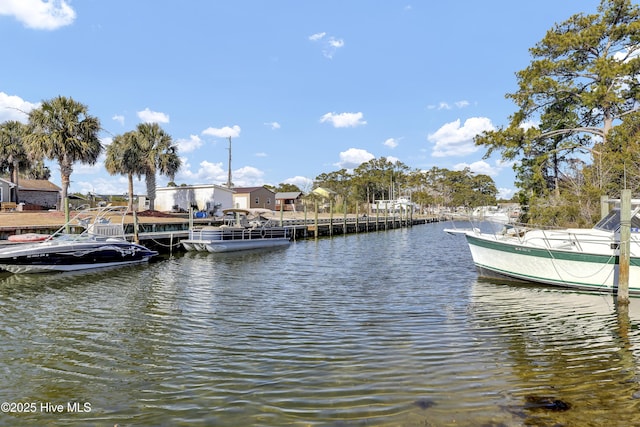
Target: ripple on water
{"points": [[389, 328]]}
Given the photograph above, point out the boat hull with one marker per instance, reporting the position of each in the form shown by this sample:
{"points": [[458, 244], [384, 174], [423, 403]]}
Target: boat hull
{"points": [[566, 268], [51, 256], [215, 246], [232, 239]]}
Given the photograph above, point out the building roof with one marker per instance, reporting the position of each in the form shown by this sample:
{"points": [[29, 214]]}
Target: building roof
{"points": [[6, 181], [195, 186], [289, 195], [249, 189], [34, 184], [37, 184]]}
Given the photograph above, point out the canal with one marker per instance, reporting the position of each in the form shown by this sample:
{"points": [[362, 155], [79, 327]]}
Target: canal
{"points": [[378, 329]]}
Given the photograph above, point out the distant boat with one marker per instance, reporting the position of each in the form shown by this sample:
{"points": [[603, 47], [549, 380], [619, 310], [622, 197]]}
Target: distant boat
{"points": [[100, 244], [242, 229], [579, 258], [494, 214]]}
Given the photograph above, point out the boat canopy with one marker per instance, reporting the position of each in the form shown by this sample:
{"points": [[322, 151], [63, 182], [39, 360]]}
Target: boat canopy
{"points": [[611, 222]]}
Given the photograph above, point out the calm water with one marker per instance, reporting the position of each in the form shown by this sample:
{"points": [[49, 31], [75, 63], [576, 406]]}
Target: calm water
{"points": [[379, 329]]}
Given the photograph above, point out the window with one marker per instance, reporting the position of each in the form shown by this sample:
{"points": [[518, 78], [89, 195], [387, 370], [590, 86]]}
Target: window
{"points": [[268, 201], [257, 200]]}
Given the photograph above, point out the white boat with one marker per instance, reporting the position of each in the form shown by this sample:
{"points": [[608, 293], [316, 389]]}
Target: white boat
{"points": [[100, 244], [572, 258], [494, 214], [242, 229]]}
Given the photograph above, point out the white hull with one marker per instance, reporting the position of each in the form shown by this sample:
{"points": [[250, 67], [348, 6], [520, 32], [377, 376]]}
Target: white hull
{"points": [[242, 245], [563, 265], [237, 234], [216, 245]]}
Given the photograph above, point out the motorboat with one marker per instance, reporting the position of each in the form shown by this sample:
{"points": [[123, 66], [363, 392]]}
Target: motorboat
{"points": [[579, 258], [91, 239], [494, 214], [241, 229]]}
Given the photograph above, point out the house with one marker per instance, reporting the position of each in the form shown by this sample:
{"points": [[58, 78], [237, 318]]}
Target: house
{"points": [[7, 190], [254, 197], [209, 198], [325, 197], [289, 201], [31, 192]]}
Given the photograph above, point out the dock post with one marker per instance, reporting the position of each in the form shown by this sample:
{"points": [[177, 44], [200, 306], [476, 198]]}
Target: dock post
{"points": [[344, 222], [136, 238], [282, 212], [625, 247], [315, 233], [305, 220], [386, 215], [331, 218]]}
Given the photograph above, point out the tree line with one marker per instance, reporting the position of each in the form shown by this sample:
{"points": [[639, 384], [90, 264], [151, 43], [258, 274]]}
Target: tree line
{"points": [[62, 130], [382, 179]]}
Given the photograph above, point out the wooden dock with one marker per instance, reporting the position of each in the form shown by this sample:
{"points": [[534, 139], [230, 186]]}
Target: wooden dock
{"points": [[164, 233]]}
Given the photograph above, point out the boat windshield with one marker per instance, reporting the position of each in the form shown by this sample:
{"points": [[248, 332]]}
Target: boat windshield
{"points": [[611, 222]]}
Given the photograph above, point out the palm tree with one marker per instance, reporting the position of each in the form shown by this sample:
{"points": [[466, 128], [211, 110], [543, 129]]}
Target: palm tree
{"points": [[123, 157], [62, 130], [157, 155], [12, 151]]}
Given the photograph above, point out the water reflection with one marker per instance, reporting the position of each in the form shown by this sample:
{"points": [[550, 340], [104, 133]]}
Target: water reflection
{"points": [[571, 354], [383, 329]]}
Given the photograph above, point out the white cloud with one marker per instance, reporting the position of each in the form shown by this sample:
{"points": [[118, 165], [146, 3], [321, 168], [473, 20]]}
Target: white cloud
{"points": [[14, 108], [335, 43], [392, 159], [317, 36], [207, 173], [106, 141], [505, 193], [455, 140], [391, 143], [118, 118], [329, 45], [247, 176], [353, 158], [273, 125], [187, 145], [479, 168], [261, 154], [224, 132], [217, 173], [148, 116], [302, 182], [446, 106], [343, 120], [39, 14]]}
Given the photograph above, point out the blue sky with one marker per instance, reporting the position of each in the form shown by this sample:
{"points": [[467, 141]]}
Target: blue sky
{"points": [[302, 87]]}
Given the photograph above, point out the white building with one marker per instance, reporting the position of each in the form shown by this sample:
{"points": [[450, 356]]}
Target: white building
{"points": [[209, 198]]}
